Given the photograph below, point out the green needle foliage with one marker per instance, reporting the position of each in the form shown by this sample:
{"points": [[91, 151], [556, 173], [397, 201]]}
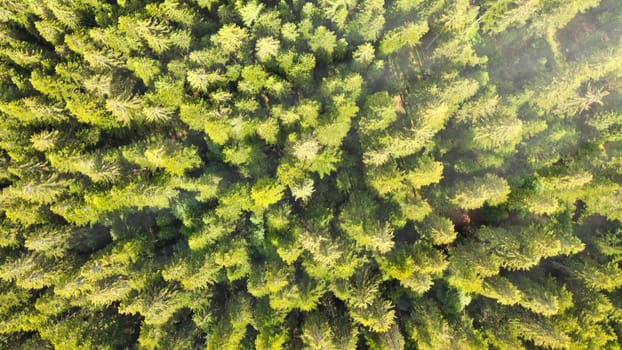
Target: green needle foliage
{"points": [[310, 174]]}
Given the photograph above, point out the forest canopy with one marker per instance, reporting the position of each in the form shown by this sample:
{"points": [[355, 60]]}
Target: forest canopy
{"points": [[310, 174]]}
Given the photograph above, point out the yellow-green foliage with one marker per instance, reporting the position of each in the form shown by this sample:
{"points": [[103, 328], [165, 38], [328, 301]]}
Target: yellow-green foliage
{"points": [[310, 174]]}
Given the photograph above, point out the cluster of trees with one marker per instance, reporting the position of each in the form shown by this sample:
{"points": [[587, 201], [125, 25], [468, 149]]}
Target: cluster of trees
{"points": [[321, 174]]}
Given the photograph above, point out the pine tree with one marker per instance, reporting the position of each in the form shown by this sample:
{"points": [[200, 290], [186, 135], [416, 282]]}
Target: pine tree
{"points": [[475, 193]]}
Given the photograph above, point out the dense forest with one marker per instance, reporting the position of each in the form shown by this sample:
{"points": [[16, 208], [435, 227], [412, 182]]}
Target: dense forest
{"points": [[310, 174]]}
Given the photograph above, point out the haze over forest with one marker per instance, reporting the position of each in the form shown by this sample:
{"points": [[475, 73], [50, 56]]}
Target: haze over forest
{"points": [[322, 174]]}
